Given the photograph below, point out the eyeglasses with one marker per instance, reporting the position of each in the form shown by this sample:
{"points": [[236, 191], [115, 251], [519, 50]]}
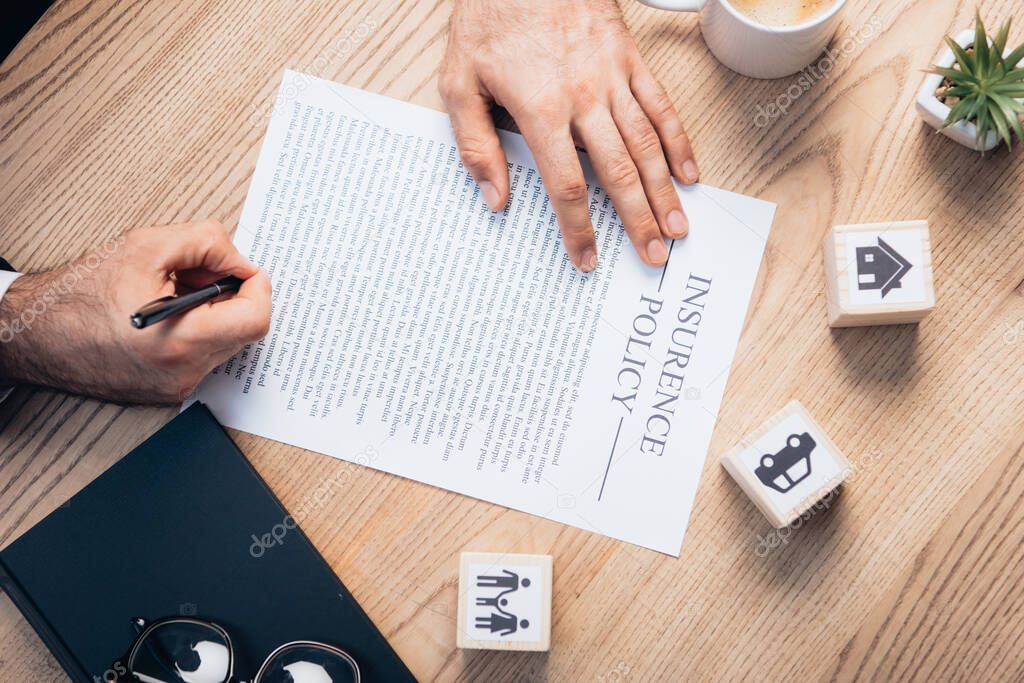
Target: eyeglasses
{"points": [[185, 650]]}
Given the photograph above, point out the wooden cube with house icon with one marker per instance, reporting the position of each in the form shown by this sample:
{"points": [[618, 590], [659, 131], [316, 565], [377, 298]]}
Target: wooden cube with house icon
{"points": [[878, 274], [787, 465], [504, 601]]}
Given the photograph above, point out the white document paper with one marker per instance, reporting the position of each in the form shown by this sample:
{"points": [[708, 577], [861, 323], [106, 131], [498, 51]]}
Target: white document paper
{"points": [[459, 345]]}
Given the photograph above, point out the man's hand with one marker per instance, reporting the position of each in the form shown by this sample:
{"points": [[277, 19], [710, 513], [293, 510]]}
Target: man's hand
{"points": [[69, 328], [568, 71]]}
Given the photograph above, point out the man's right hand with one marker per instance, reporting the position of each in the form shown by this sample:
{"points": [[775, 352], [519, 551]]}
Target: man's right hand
{"points": [[69, 328], [569, 73]]}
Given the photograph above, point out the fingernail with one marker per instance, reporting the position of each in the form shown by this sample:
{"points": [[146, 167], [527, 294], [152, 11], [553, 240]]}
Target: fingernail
{"points": [[656, 251], [588, 261], [690, 172], [677, 223], [490, 194]]}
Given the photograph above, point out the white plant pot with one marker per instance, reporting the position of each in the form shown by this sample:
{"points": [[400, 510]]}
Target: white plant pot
{"points": [[934, 111]]}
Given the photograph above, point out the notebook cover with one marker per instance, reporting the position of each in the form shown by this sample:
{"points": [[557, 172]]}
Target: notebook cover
{"points": [[168, 530]]}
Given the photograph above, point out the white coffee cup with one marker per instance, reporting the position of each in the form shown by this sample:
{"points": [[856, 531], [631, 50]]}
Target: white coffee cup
{"points": [[753, 49]]}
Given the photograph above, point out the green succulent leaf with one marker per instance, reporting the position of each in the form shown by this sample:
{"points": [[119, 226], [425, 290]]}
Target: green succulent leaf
{"points": [[958, 112], [1015, 91], [1009, 110], [965, 60], [983, 124], [1014, 58], [1012, 77], [956, 75], [1009, 105], [981, 45], [999, 43], [1017, 127], [1002, 128], [959, 91], [976, 105]]}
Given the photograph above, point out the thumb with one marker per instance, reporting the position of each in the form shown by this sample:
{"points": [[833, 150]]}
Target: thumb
{"points": [[478, 142]]}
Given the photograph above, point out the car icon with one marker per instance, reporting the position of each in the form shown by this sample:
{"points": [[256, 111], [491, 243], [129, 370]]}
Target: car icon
{"points": [[788, 467]]}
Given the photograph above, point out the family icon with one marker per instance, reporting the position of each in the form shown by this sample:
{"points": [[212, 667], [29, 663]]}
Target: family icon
{"points": [[500, 621], [504, 601]]}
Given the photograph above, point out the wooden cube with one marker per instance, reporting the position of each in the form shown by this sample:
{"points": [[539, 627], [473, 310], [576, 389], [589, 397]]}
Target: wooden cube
{"points": [[878, 274], [787, 465], [504, 602]]}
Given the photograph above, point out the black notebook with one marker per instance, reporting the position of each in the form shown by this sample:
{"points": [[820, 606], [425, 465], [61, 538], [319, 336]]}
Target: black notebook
{"points": [[167, 531]]}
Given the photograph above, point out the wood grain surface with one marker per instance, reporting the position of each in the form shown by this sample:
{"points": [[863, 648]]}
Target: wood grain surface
{"points": [[118, 114]]}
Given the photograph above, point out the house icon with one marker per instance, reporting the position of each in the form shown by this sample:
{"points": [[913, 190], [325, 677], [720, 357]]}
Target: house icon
{"points": [[880, 267]]}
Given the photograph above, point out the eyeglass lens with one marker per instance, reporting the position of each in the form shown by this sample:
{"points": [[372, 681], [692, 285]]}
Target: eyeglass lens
{"points": [[308, 664], [182, 652]]}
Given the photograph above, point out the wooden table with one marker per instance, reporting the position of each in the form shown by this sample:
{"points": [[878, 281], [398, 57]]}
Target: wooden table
{"points": [[116, 114]]}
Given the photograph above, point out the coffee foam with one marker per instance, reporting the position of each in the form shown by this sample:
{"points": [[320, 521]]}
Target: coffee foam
{"points": [[782, 12]]}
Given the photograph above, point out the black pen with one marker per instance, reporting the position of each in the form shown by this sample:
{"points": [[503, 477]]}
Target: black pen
{"points": [[166, 306]]}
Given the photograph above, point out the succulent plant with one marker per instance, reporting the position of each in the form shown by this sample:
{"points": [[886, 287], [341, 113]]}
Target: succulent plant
{"points": [[985, 84]]}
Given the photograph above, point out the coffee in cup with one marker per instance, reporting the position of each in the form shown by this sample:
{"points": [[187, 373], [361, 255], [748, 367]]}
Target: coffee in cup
{"points": [[763, 38], [782, 12]]}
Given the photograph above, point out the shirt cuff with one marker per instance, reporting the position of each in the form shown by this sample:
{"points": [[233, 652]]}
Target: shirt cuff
{"points": [[6, 278]]}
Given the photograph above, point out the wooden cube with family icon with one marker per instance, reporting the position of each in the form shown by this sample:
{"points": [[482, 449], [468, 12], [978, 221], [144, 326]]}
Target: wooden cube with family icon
{"points": [[504, 601], [787, 465], [879, 274]]}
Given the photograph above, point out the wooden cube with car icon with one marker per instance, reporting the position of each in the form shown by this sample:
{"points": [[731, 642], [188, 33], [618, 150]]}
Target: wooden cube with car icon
{"points": [[787, 465]]}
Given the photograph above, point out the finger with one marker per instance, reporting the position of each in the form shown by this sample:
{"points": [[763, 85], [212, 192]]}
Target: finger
{"points": [[204, 244], [234, 321], [478, 142], [562, 174], [617, 172], [644, 146], [662, 113]]}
